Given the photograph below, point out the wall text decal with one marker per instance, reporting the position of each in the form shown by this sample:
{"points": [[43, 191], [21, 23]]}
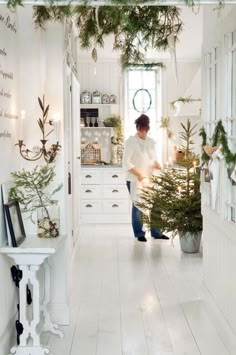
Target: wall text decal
{"points": [[5, 134], [10, 25]]}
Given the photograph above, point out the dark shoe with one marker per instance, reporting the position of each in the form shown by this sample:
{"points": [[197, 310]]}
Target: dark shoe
{"points": [[142, 239], [163, 236]]}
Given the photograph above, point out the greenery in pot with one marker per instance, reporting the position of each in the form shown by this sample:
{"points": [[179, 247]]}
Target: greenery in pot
{"points": [[173, 201], [30, 188]]}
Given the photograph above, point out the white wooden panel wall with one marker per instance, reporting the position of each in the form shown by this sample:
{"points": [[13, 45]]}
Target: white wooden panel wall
{"points": [[219, 240], [219, 251], [107, 80]]}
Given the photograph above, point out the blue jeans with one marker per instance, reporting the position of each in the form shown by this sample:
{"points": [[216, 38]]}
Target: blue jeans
{"points": [[137, 222]]}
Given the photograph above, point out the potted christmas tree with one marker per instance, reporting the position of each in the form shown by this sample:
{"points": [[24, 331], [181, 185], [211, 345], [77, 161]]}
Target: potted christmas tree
{"points": [[173, 201]]}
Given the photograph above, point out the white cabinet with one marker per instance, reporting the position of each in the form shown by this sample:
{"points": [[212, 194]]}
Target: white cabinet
{"points": [[104, 196]]}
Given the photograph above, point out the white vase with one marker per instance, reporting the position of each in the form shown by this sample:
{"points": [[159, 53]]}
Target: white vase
{"points": [[48, 221], [114, 159]]}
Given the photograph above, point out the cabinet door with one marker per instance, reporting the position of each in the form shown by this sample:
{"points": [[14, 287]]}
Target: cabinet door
{"points": [[115, 192], [113, 177], [90, 176], [116, 206], [91, 206], [90, 192]]}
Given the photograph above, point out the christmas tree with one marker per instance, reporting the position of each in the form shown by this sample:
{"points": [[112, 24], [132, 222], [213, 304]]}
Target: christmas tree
{"points": [[172, 201]]}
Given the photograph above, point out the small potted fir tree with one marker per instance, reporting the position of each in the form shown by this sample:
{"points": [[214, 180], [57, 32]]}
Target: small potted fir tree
{"points": [[173, 201], [31, 189]]}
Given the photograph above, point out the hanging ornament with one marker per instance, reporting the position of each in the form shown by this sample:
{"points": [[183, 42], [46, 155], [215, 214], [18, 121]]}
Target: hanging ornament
{"points": [[171, 39], [209, 149], [94, 55]]}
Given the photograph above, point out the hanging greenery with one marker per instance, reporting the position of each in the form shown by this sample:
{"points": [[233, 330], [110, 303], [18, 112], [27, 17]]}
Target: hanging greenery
{"points": [[192, 3], [219, 137], [134, 28], [145, 66], [184, 100]]}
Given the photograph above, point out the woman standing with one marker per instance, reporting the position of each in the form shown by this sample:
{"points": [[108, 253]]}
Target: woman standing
{"points": [[139, 160]]}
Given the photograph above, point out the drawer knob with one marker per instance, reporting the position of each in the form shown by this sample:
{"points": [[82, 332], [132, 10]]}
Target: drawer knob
{"points": [[115, 205], [115, 191], [115, 176], [88, 191], [89, 206], [88, 176]]}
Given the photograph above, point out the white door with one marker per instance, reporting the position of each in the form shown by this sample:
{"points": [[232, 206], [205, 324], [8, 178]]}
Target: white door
{"points": [[72, 168], [75, 168]]}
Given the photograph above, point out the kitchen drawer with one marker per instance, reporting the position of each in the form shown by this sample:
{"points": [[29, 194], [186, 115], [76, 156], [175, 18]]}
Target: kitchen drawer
{"points": [[116, 206], [113, 177], [90, 192], [91, 206], [115, 191], [90, 176]]}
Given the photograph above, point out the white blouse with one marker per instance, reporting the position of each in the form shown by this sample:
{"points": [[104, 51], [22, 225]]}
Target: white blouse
{"points": [[138, 153]]}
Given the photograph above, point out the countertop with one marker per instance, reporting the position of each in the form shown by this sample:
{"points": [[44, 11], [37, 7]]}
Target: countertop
{"points": [[108, 166]]}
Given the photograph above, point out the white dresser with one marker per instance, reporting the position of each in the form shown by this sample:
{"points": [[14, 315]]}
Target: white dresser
{"points": [[104, 195]]}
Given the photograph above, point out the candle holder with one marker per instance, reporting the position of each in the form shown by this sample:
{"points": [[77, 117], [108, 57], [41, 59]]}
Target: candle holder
{"points": [[49, 154]]}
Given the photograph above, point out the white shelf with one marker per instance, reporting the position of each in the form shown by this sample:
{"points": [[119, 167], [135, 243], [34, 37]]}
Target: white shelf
{"points": [[103, 127], [97, 105]]}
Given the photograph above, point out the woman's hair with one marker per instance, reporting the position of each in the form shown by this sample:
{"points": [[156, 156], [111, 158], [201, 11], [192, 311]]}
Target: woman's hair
{"points": [[142, 123]]}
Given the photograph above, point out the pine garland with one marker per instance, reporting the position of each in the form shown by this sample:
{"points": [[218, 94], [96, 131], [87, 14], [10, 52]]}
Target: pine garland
{"points": [[184, 100], [219, 137], [145, 66]]}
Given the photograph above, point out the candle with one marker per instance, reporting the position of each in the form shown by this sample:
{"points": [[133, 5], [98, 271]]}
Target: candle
{"points": [[22, 120], [57, 126], [179, 190], [194, 166]]}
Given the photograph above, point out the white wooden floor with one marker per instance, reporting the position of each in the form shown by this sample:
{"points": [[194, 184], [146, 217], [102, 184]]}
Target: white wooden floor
{"points": [[132, 298]]}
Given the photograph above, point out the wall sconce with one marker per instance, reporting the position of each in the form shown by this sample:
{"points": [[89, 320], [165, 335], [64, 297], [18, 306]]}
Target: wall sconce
{"points": [[49, 154]]}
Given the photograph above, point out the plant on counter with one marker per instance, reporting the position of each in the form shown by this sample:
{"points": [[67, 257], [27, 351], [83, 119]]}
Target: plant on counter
{"points": [[30, 189], [172, 202]]}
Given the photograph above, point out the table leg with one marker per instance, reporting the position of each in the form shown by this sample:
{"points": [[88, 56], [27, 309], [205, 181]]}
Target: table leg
{"points": [[48, 325]]}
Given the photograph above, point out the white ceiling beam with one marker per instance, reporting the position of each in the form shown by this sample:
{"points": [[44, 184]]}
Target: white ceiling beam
{"points": [[108, 2]]}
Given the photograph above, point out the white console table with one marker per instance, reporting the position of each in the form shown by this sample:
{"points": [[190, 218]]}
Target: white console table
{"points": [[32, 253]]}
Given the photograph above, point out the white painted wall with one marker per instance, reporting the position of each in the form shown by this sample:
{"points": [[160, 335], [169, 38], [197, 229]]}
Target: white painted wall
{"points": [[8, 158], [36, 59], [43, 62], [219, 248]]}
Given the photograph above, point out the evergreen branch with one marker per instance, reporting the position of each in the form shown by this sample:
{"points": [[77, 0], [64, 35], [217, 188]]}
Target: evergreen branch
{"points": [[29, 188], [184, 100]]}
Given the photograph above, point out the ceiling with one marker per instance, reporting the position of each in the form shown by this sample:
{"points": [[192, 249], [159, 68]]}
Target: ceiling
{"points": [[188, 48]]}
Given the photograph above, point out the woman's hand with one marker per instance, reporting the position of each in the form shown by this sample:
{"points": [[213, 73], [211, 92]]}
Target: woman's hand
{"points": [[140, 177], [156, 165], [135, 171]]}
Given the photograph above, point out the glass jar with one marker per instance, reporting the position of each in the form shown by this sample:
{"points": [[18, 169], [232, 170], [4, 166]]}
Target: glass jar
{"points": [[48, 221]]}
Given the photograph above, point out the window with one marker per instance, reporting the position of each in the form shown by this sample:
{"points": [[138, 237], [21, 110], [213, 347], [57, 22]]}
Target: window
{"points": [[142, 95], [230, 114]]}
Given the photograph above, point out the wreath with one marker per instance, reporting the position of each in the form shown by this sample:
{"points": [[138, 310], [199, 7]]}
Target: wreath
{"points": [[150, 100]]}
